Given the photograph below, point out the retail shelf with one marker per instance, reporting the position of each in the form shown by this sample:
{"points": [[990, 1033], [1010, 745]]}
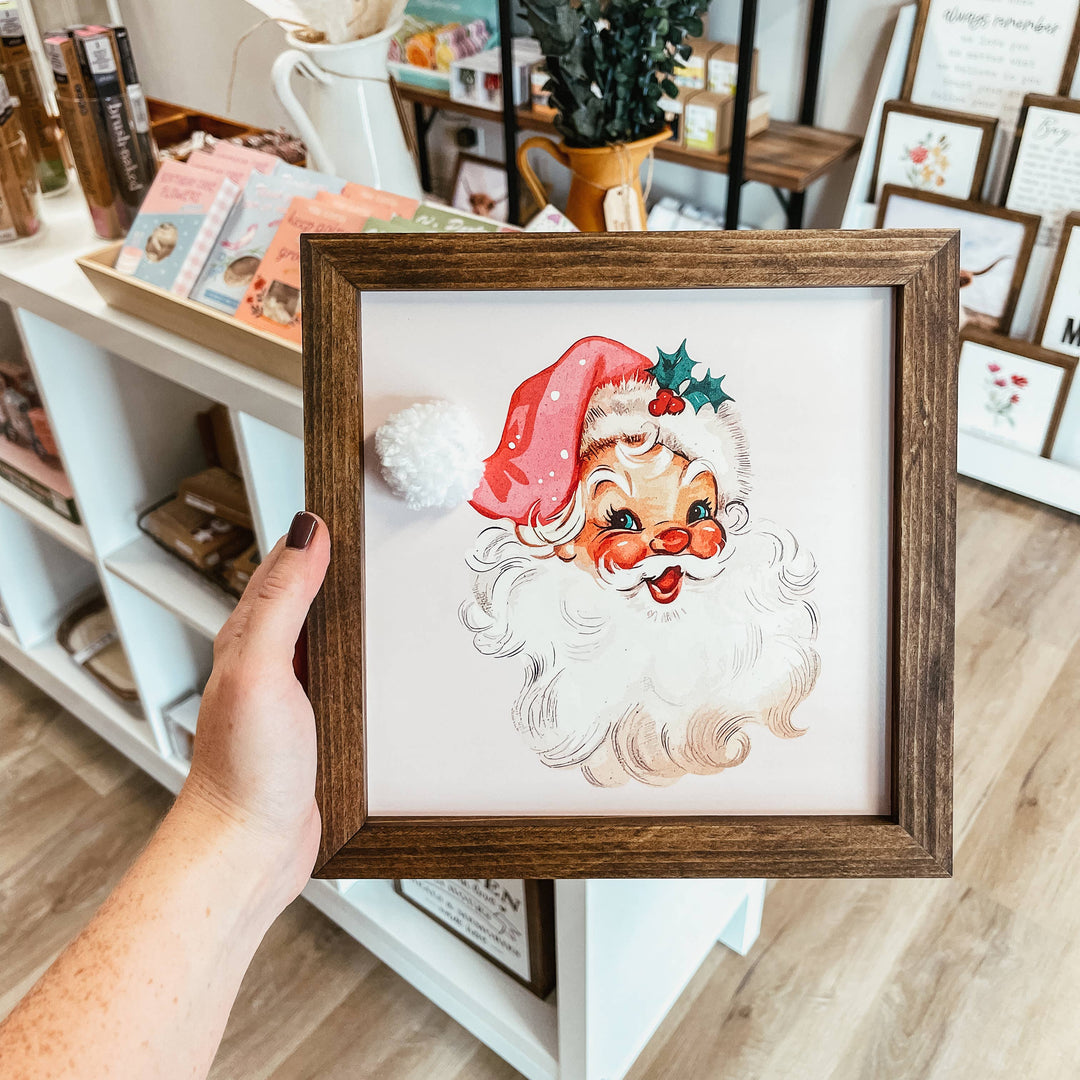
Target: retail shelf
{"points": [[510, 1019], [790, 156], [50, 667], [1046, 481], [175, 586], [67, 532], [40, 275]]}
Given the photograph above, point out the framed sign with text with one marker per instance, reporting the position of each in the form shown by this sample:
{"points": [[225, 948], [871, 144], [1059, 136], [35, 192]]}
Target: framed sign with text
{"points": [[984, 56]]}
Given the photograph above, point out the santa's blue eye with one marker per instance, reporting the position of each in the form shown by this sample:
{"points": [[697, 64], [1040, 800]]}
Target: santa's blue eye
{"points": [[623, 519], [699, 511]]}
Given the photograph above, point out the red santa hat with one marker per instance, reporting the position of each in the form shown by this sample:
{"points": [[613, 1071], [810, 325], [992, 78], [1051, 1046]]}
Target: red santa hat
{"points": [[598, 392]]}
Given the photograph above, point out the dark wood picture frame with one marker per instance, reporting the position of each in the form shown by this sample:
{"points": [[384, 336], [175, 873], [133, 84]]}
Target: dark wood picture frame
{"points": [[1072, 221], [475, 159], [1039, 101], [986, 124], [1030, 222], [919, 33], [1030, 351], [915, 838], [540, 923]]}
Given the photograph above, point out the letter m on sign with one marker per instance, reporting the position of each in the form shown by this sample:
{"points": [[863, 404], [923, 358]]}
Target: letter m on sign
{"points": [[1071, 335]]}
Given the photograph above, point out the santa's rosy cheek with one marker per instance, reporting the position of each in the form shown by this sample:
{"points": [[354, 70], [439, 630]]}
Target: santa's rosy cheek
{"points": [[618, 550], [706, 539]]}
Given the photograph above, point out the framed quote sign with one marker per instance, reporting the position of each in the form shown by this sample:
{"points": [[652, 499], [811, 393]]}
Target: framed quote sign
{"points": [[1059, 319], [1044, 171], [510, 921], [933, 150], [995, 248], [984, 56], [643, 553]]}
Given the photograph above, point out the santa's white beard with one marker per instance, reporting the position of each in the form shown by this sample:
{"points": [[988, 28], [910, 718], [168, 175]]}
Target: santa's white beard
{"points": [[624, 687]]}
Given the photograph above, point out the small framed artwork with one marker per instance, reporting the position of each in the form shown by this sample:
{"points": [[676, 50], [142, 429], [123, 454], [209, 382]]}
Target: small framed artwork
{"points": [[481, 187], [932, 150], [1059, 320], [995, 247], [1044, 171], [985, 56], [633, 582], [508, 920], [1011, 391]]}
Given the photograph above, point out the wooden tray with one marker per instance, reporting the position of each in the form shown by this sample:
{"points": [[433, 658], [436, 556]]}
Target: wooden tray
{"points": [[228, 336]]}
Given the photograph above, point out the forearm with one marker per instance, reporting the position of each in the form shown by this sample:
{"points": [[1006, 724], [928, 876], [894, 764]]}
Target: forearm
{"points": [[146, 989]]}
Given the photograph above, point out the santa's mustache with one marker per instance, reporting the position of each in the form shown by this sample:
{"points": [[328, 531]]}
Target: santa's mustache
{"points": [[630, 578]]}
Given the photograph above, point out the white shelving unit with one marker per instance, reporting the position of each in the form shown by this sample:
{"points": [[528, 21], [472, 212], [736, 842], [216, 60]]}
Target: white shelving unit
{"points": [[122, 397]]}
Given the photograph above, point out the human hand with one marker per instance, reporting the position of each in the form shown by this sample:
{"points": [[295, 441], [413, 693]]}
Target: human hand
{"points": [[254, 759]]}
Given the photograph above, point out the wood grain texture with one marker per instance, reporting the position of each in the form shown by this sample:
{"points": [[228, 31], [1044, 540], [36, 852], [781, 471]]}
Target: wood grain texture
{"points": [[984, 967], [785, 155], [915, 840]]}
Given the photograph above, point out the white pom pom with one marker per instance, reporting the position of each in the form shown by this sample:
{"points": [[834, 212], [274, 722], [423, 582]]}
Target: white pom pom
{"points": [[431, 454]]}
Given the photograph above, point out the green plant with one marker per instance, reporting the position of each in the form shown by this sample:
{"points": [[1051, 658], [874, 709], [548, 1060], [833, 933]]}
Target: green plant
{"points": [[610, 61]]}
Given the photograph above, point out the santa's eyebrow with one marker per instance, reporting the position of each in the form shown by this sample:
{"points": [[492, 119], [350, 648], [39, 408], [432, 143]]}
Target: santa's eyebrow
{"points": [[604, 474], [694, 469]]}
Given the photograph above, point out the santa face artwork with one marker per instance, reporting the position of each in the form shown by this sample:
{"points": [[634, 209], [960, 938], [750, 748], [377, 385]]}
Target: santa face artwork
{"points": [[654, 620]]}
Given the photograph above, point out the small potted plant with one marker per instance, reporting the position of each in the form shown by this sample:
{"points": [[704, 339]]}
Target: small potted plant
{"points": [[609, 68]]}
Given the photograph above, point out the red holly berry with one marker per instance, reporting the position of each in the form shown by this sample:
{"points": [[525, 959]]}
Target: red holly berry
{"points": [[676, 405], [656, 406], [663, 394], [1019, 380]]}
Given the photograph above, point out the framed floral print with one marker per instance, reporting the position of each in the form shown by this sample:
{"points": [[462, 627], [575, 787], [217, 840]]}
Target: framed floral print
{"points": [[643, 553], [932, 150], [1011, 391]]}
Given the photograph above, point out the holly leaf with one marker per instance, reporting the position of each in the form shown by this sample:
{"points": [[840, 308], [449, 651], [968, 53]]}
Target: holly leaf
{"points": [[672, 369], [707, 391]]}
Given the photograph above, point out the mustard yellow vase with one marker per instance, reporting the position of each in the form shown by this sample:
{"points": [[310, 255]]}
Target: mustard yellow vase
{"points": [[594, 170]]}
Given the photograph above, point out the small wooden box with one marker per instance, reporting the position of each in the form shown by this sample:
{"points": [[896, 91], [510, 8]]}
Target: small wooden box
{"points": [[244, 344]]}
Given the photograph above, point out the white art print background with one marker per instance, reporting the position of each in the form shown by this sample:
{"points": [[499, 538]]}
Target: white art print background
{"points": [[811, 373], [904, 134], [983, 240], [986, 407], [1062, 334]]}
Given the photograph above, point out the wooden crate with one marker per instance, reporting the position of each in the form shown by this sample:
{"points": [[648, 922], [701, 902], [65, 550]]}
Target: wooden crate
{"points": [[226, 335]]}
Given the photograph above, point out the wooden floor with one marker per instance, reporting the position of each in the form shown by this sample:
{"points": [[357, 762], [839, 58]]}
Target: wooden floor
{"points": [[976, 977]]}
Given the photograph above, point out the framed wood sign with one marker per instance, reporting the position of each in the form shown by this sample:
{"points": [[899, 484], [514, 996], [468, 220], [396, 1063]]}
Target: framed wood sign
{"points": [[510, 921], [481, 186], [932, 150], [983, 56], [995, 248], [1059, 319], [643, 552], [1011, 391], [1044, 171]]}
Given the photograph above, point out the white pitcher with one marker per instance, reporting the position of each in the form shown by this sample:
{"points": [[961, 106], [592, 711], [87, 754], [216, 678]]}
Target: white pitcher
{"points": [[353, 130]]}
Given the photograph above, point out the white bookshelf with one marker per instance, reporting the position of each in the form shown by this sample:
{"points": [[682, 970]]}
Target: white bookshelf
{"points": [[122, 397]]}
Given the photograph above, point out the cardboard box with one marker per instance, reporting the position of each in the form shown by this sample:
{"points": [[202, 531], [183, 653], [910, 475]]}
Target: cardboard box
{"points": [[722, 70], [198, 538], [708, 117], [219, 443], [237, 572], [690, 74], [218, 492]]}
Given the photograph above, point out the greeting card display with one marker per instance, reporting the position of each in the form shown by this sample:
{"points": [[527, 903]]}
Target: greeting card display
{"points": [[1044, 173], [995, 247], [932, 150], [1011, 391], [619, 585], [983, 56]]}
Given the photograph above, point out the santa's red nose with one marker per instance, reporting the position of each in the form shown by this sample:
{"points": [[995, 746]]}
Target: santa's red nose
{"points": [[670, 541]]}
